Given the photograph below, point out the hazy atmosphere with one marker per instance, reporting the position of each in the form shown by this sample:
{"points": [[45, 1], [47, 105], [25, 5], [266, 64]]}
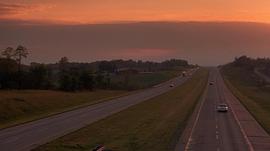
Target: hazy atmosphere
{"points": [[204, 43]]}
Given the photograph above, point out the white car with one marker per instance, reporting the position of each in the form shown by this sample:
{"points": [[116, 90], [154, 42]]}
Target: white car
{"points": [[222, 107]]}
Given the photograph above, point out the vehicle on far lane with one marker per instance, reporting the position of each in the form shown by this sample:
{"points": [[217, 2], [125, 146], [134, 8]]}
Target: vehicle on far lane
{"points": [[211, 83], [222, 107], [171, 85]]}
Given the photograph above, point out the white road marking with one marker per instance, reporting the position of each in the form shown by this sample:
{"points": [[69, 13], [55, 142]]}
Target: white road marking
{"points": [[197, 118], [235, 117]]}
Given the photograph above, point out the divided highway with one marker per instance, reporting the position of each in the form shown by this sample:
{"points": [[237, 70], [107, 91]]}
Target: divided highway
{"points": [[209, 130], [29, 135]]}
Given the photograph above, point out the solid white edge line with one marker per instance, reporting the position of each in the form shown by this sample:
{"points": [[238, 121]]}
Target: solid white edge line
{"points": [[236, 118], [197, 117]]}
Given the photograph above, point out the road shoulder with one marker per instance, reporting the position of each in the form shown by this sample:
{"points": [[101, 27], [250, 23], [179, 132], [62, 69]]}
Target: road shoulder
{"points": [[185, 138], [258, 138]]}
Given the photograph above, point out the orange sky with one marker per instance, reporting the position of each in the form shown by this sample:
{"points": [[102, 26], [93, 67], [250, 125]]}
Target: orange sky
{"points": [[95, 11]]}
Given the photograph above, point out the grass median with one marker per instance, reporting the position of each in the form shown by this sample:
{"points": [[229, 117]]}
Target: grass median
{"points": [[253, 96], [155, 124], [19, 106]]}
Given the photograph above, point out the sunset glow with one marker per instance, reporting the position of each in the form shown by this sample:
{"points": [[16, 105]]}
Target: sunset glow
{"points": [[86, 30], [100, 11]]}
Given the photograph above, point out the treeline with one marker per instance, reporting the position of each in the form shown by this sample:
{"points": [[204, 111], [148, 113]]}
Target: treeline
{"points": [[114, 66], [248, 69], [70, 76], [251, 63]]}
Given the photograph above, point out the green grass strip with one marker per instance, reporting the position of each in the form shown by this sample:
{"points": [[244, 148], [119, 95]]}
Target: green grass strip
{"points": [[155, 124]]}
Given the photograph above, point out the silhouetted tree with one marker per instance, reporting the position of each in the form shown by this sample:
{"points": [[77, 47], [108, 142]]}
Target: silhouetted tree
{"points": [[108, 80], [69, 78], [64, 76], [107, 66], [39, 75], [75, 79], [63, 63], [20, 53], [65, 82], [86, 80], [99, 80], [8, 53], [8, 73]]}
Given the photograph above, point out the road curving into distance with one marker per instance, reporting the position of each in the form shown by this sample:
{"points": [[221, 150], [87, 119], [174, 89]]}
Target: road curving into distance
{"points": [[30, 135], [209, 130]]}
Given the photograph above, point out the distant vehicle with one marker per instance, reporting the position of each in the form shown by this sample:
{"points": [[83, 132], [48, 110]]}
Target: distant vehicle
{"points": [[211, 83], [184, 73], [222, 107], [171, 85]]}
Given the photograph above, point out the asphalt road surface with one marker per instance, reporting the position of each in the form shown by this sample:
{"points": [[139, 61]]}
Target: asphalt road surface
{"points": [[28, 136], [210, 130]]}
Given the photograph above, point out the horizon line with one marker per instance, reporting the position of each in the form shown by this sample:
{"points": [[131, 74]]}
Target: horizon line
{"points": [[68, 23]]}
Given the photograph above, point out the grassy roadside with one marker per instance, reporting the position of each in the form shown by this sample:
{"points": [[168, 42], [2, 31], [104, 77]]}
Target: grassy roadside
{"points": [[22, 106], [19, 106], [155, 124], [143, 80], [253, 97]]}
